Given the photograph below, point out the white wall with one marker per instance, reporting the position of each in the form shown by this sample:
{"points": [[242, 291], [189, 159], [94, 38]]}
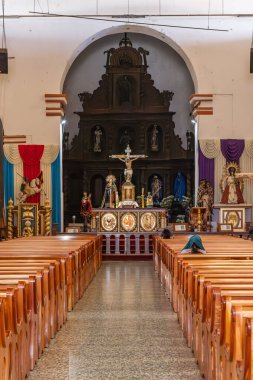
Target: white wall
{"points": [[44, 49]]}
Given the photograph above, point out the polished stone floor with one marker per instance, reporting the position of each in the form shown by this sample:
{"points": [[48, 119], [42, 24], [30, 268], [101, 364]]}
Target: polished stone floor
{"points": [[123, 328]]}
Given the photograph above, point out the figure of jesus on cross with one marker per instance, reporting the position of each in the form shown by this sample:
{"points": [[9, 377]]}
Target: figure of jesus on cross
{"points": [[128, 158]]}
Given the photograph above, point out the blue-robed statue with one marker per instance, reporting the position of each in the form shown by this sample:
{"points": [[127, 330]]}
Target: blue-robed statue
{"points": [[179, 186]]}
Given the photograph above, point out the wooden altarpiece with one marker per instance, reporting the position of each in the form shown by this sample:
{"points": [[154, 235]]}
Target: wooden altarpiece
{"points": [[126, 108]]}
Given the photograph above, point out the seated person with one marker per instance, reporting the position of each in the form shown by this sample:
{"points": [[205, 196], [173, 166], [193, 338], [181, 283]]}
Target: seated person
{"points": [[194, 245], [166, 234], [250, 235]]}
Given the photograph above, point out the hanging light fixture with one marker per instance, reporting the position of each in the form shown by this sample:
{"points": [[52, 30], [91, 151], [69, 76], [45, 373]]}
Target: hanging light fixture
{"points": [[3, 49]]}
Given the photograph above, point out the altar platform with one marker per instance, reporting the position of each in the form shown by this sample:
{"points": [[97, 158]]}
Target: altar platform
{"points": [[128, 231]]}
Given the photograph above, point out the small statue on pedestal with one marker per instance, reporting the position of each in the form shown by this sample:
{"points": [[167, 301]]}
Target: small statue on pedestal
{"points": [[86, 211], [154, 139], [97, 139], [28, 230], [149, 200], [156, 187]]}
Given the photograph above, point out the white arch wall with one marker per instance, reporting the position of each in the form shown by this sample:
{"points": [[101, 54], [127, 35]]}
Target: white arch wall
{"points": [[44, 49]]}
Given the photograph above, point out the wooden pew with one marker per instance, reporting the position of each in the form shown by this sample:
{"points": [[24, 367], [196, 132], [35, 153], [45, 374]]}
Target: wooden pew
{"points": [[7, 337], [196, 284], [42, 278], [245, 366], [233, 350]]}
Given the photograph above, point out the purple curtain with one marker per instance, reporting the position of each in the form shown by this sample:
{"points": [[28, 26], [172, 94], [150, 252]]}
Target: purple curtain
{"points": [[232, 149], [206, 168]]}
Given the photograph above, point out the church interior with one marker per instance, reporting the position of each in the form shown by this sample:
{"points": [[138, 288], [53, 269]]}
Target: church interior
{"points": [[126, 190]]}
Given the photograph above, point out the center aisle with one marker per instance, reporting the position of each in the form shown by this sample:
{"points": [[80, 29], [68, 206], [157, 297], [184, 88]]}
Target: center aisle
{"points": [[122, 328]]}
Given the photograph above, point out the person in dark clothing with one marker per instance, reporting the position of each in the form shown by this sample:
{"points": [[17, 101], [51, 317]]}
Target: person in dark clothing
{"points": [[166, 234], [250, 235]]}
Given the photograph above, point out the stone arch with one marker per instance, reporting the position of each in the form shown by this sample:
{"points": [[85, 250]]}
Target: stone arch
{"points": [[131, 29]]}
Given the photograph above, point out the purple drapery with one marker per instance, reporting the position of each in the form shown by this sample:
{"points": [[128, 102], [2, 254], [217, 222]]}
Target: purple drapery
{"points": [[232, 149], [206, 168]]}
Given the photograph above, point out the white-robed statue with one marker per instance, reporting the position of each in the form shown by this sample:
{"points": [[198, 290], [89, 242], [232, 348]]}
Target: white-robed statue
{"points": [[97, 139], [232, 184]]}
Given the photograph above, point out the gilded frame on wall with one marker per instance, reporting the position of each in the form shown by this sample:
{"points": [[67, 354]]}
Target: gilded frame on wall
{"points": [[234, 216]]}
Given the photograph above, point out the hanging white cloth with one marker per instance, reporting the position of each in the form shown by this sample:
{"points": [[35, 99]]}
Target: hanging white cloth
{"points": [[210, 148], [50, 154], [11, 153]]}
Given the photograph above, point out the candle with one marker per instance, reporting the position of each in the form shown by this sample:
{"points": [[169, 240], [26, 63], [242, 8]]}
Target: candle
{"points": [[142, 192]]}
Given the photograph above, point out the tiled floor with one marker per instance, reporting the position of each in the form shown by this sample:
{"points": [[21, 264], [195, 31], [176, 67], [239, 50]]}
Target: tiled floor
{"points": [[123, 328]]}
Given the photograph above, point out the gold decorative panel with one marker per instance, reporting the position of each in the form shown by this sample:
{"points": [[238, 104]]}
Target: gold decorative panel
{"points": [[128, 222], [28, 219], [109, 222], [148, 221]]}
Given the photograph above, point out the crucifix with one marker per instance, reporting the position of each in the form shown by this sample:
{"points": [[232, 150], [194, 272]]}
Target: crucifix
{"points": [[128, 158]]}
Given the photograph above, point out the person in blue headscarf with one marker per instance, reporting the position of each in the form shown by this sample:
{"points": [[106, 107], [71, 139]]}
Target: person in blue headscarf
{"points": [[194, 245]]}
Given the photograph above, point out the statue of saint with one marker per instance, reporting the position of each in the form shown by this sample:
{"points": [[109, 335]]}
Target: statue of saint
{"points": [[128, 158], [205, 198], [110, 198], [28, 189], [156, 188], [124, 87], [86, 211], [154, 139], [179, 186], [97, 139], [232, 185], [28, 230], [125, 140]]}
